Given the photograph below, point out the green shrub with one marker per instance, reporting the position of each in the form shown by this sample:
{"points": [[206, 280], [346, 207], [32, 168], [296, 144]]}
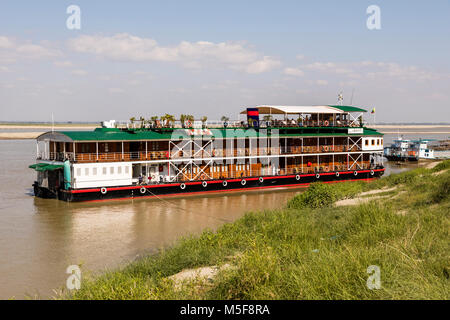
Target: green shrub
{"points": [[442, 190], [442, 166], [320, 195]]}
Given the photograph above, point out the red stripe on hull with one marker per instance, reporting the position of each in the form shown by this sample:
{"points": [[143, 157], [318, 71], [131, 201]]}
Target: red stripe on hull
{"points": [[182, 194], [216, 181]]}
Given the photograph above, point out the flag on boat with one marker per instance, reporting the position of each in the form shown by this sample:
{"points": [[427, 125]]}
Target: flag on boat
{"points": [[373, 110]]}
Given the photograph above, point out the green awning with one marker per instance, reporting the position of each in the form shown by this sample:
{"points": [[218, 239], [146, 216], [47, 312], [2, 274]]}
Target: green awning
{"points": [[349, 108], [45, 167]]}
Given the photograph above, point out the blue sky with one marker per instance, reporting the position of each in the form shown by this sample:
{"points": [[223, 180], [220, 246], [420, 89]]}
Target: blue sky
{"points": [[212, 58]]}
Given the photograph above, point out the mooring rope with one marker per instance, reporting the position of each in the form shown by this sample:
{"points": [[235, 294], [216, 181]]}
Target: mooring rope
{"points": [[183, 209]]}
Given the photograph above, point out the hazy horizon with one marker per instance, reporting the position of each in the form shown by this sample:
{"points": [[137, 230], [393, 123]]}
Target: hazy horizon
{"points": [[215, 58]]}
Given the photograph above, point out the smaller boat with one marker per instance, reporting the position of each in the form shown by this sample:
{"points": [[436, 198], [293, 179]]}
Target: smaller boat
{"points": [[408, 150]]}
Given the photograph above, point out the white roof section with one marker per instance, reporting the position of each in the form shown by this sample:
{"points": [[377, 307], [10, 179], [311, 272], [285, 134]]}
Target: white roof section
{"points": [[263, 109]]}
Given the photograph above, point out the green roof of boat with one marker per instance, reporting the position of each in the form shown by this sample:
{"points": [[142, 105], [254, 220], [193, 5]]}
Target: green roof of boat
{"points": [[115, 134], [349, 108]]}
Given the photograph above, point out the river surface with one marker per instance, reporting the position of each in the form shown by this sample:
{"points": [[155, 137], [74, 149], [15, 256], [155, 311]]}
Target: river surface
{"points": [[40, 238]]}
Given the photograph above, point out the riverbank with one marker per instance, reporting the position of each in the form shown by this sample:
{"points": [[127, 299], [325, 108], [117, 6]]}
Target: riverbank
{"points": [[16, 132], [47, 126], [21, 131], [312, 249]]}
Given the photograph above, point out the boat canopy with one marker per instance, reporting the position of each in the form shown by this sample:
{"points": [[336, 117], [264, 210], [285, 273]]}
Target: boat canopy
{"points": [[264, 109], [45, 167]]}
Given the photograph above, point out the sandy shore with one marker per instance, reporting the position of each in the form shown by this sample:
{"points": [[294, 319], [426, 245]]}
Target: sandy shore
{"points": [[19, 135], [45, 127], [408, 126], [387, 129], [415, 132], [40, 129]]}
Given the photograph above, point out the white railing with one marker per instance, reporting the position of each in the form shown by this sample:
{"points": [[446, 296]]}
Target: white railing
{"points": [[193, 154], [240, 124], [208, 174]]}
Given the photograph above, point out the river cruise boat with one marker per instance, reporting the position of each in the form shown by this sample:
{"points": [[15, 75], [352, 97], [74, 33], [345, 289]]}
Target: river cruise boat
{"points": [[272, 147], [408, 150]]}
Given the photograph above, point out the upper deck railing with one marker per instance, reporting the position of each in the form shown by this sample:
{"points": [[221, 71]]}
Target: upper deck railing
{"points": [[216, 124], [202, 154]]}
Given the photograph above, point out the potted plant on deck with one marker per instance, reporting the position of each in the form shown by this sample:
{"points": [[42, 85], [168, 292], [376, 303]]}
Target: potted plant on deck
{"points": [[132, 120], [169, 120], [204, 119], [267, 119], [183, 120], [225, 120], [154, 121]]}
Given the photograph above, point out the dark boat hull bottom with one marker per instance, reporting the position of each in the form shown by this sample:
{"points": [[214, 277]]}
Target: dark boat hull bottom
{"points": [[212, 186], [403, 159]]}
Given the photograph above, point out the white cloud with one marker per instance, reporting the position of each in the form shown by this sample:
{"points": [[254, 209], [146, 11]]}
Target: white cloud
{"points": [[302, 91], [35, 51], [389, 69], [320, 66], [127, 47], [79, 72], [66, 91], [263, 65], [12, 51], [370, 69], [63, 64], [5, 42], [322, 82], [115, 90], [293, 72], [8, 86]]}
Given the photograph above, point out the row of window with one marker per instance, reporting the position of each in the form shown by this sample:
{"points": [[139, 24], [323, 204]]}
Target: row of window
{"points": [[378, 142], [236, 167], [102, 171]]}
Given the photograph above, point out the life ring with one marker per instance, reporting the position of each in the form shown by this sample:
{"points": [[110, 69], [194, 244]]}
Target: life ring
{"points": [[224, 183], [327, 169], [182, 186], [372, 172], [337, 174], [297, 177], [204, 184], [326, 123], [261, 179], [188, 123], [103, 190], [142, 190], [243, 182], [355, 173], [317, 176], [325, 148], [167, 154]]}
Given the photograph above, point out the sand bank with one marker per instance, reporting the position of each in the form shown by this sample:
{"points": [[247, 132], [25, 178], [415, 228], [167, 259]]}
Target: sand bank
{"points": [[46, 127], [19, 135], [408, 126], [414, 132]]}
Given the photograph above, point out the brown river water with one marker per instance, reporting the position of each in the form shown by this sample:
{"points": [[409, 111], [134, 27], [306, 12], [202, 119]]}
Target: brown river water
{"points": [[40, 238]]}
